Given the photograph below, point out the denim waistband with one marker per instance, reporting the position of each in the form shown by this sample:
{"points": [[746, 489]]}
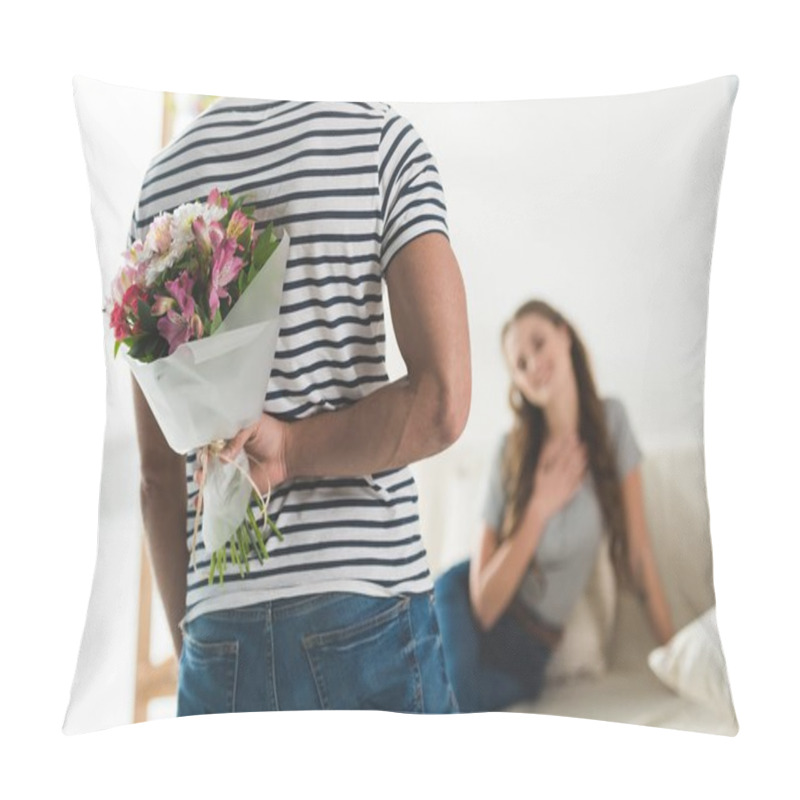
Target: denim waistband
{"points": [[287, 607]]}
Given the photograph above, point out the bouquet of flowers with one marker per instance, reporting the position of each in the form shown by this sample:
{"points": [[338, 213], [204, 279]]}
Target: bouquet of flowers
{"points": [[196, 304]]}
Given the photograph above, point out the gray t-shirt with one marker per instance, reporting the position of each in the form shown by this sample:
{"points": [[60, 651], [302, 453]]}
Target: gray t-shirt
{"points": [[568, 547]]}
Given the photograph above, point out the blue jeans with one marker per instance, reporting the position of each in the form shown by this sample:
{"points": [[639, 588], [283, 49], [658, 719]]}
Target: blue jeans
{"points": [[488, 670], [334, 651]]}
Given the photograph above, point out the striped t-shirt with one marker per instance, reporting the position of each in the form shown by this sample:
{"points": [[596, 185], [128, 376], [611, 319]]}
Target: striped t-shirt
{"points": [[351, 183]]}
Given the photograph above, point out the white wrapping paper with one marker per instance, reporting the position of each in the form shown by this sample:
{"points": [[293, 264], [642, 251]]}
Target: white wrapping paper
{"points": [[211, 388]]}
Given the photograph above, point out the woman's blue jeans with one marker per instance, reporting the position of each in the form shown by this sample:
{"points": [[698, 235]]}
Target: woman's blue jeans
{"points": [[326, 651], [488, 670]]}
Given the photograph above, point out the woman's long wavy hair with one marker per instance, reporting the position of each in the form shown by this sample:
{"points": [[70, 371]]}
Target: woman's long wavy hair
{"points": [[527, 436]]}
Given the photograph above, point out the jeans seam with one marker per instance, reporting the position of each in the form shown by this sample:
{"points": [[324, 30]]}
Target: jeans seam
{"points": [[288, 607], [377, 621], [419, 694], [210, 649], [235, 678], [243, 614], [441, 657], [317, 678], [270, 639]]}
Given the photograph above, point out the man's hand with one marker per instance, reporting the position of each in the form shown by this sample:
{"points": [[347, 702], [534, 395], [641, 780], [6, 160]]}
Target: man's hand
{"points": [[265, 445], [264, 442]]}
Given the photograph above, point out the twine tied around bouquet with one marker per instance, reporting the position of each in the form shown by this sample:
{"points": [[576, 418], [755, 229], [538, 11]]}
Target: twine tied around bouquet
{"points": [[213, 450]]}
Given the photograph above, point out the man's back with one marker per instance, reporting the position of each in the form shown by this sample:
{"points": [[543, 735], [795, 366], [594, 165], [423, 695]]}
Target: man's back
{"points": [[351, 183]]}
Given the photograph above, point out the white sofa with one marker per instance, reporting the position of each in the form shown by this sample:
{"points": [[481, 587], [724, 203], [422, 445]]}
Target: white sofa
{"points": [[602, 670]]}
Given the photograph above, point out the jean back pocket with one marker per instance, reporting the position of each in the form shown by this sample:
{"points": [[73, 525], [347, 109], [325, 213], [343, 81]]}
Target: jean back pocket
{"points": [[371, 663], [207, 677]]}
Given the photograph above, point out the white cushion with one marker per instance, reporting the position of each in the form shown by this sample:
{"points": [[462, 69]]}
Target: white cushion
{"points": [[692, 664]]}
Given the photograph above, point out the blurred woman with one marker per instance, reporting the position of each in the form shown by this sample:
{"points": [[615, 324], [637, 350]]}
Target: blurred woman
{"points": [[566, 474]]}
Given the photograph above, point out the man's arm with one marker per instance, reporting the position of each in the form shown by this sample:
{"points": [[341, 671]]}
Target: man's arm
{"points": [[163, 501], [410, 419]]}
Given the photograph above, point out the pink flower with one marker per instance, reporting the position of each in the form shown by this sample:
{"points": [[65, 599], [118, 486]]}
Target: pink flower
{"points": [[130, 306], [184, 324], [123, 281], [135, 256], [216, 199], [125, 313], [161, 305], [225, 268], [181, 289], [237, 225], [208, 236], [119, 323]]}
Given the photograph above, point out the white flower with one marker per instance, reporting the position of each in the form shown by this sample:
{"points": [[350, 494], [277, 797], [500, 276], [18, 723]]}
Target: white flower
{"points": [[182, 219], [185, 215], [169, 235], [157, 265], [159, 235], [213, 214]]}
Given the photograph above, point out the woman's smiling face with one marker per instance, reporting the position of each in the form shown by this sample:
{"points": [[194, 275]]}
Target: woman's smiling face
{"points": [[538, 357]]}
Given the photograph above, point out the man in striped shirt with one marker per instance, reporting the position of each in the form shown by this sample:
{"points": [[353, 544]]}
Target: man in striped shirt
{"points": [[341, 614]]}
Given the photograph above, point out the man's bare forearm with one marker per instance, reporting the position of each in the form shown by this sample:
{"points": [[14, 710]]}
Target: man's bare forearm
{"points": [[163, 501], [397, 425], [164, 518]]}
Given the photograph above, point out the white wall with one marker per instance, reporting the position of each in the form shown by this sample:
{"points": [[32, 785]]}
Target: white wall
{"points": [[580, 204], [591, 228]]}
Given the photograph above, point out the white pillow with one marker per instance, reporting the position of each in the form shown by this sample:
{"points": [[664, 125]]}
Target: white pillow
{"points": [[604, 205], [583, 649], [692, 664]]}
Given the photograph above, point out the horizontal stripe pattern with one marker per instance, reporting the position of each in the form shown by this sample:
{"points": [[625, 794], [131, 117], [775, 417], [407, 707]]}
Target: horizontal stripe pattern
{"points": [[352, 183]]}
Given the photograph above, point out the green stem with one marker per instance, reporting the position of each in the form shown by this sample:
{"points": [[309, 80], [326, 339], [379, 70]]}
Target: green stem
{"points": [[241, 553], [257, 529], [274, 528], [245, 543], [234, 551], [212, 567]]}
